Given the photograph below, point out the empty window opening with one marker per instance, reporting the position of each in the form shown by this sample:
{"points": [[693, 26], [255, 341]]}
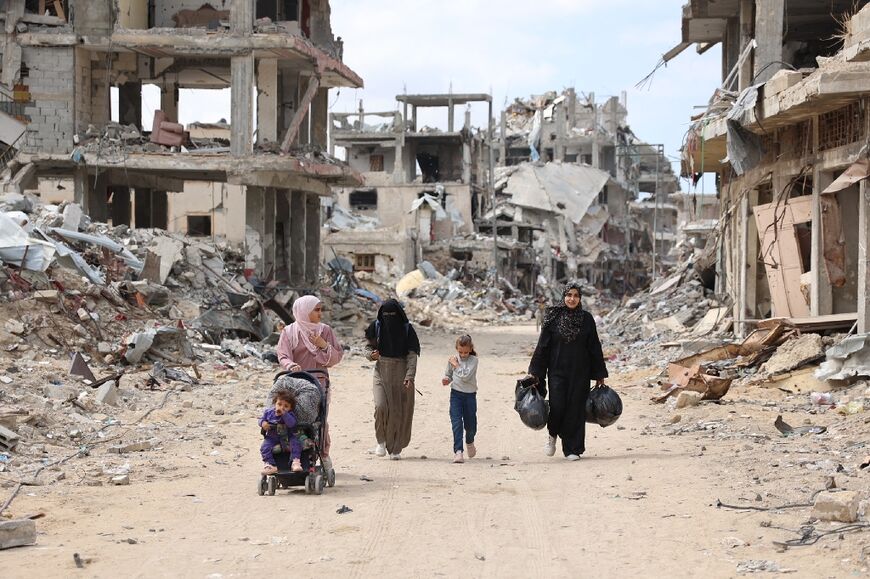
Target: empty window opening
{"points": [[199, 225], [364, 262], [364, 199], [278, 10], [602, 197], [376, 163], [429, 167]]}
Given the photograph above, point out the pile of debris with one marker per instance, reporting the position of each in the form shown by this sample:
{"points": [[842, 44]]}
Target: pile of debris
{"points": [[678, 306]]}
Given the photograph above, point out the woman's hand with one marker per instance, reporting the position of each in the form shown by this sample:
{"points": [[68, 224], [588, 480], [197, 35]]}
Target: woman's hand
{"points": [[454, 361], [294, 368], [375, 356], [409, 383], [318, 341]]}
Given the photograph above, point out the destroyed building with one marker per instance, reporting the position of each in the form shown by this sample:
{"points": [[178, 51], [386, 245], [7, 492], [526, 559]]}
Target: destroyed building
{"points": [[786, 137], [423, 187], [63, 59], [557, 151]]}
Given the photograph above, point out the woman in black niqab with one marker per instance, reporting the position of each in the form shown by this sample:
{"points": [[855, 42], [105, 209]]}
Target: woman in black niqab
{"points": [[394, 347], [569, 356]]}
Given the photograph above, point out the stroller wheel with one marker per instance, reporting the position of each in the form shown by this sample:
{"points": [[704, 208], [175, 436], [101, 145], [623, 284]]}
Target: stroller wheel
{"points": [[309, 483], [261, 486], [273, 485], [319, 483], [330, 478]]}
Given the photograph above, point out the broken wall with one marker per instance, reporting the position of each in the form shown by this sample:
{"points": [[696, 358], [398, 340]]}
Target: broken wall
{"points": [[93, 17], [50, 81], [223, 203], [361, 159], [132, 14], [164, 10]]}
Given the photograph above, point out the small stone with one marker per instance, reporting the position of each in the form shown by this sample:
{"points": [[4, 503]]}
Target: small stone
{"points": [[15, 327], [216, 442], [220, 412], [104, 348], [187, 404], [837, 506], [687, 398], [46, 295], [121, 480], [80, 330]]}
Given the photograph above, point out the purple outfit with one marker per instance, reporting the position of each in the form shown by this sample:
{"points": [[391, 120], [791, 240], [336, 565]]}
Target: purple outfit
{"points": [[282, 427]]}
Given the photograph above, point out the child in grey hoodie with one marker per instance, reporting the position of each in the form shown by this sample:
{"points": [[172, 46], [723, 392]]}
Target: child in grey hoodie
{"points": [[461, 376]]}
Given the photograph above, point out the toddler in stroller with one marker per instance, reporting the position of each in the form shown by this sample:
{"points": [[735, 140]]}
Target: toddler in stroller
{"points": [[278, 425], [306, 436]]}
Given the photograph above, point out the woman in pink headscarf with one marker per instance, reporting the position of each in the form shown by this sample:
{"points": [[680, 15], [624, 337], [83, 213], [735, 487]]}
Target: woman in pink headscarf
{"points": [[308, 344]]}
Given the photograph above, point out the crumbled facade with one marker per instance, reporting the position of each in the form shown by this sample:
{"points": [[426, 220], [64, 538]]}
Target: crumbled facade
{"points": [[786, 137], [267, 176]]}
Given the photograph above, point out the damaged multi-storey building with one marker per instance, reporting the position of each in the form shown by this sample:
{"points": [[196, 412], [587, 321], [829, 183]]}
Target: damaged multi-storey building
{"points": [[571, 167], [424, 187], [265, 173], [786, 136]]}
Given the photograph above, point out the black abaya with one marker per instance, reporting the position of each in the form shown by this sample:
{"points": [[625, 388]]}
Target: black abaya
{"points": [[569, 366]]}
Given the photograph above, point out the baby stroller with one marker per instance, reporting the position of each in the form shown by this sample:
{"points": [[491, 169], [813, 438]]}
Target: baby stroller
{"points": [[311, 411]]}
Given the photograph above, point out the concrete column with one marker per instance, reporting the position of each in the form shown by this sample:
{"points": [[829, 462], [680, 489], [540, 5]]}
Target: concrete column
{"points": [[503, 144], [744, 74], [298, 238], [242, 17], [284, 206], [267, 100], [130, 104], [169, 100], [80, 187], [399, 170], [312, 238], [821, 293], [255, 229], [466, 151], [864, 259], [751, 250], [559, 147], [242, 138], [320, 118], [451, 111], [769, 27], [268, 209]]}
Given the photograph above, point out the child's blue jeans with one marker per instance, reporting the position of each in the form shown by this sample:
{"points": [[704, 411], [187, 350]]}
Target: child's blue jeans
{"points": [[463, 413]]}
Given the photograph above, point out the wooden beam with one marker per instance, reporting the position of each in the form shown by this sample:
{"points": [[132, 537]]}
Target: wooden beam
{"points": [[293, 129]]}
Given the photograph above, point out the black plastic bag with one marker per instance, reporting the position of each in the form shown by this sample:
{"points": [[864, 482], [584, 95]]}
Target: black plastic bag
{"points": [[603, 407], [531, 406]]}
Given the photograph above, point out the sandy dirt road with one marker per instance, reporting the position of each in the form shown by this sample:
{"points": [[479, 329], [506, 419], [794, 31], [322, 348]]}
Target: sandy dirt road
{"points": [[639, 504]]}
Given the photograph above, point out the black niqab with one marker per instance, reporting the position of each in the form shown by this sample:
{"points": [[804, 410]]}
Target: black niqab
{"points": [[564, 321], [392, 333]]}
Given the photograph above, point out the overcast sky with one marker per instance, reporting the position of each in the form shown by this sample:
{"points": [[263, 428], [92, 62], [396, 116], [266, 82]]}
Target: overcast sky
{"points": [[517, 48], [514, 49]]}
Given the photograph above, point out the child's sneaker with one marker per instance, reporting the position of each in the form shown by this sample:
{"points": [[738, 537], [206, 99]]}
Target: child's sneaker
{"points": [[457, 458], [269, 469], [296, 466], [472, 450]]}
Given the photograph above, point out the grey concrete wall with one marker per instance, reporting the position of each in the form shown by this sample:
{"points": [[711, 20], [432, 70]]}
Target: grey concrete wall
{"points": [[93, 17], [846, 297], [51, 80]]}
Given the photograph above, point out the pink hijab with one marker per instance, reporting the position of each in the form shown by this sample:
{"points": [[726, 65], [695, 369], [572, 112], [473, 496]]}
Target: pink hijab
{"points": [[301, 330]]}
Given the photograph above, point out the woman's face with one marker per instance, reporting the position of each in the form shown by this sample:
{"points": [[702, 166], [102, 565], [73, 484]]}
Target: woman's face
{"points": [[316, 314], [572, 299]]}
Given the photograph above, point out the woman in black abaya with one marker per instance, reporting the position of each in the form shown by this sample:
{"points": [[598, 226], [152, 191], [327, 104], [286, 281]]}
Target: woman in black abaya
{"points": [[569, 355]]}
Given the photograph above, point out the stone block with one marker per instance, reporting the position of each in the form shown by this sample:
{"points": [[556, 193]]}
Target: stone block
{"points": [[17, 533], [8, 439], [837, 506], [59, 392], [108, 394], [46, 295], [121, 480]]}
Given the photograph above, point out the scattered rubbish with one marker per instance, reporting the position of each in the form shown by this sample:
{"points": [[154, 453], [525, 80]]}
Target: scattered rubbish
{"points": [[788, 430], [364, 478], [344, 509], [846, 360], [603, 406], [853, 407], [8, 439], [530, 405], [80, 368], [822, 398]]}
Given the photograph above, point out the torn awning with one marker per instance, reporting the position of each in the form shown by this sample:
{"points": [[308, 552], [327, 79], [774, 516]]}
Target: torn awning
{"points": [[859, 171], [561, 188]]}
